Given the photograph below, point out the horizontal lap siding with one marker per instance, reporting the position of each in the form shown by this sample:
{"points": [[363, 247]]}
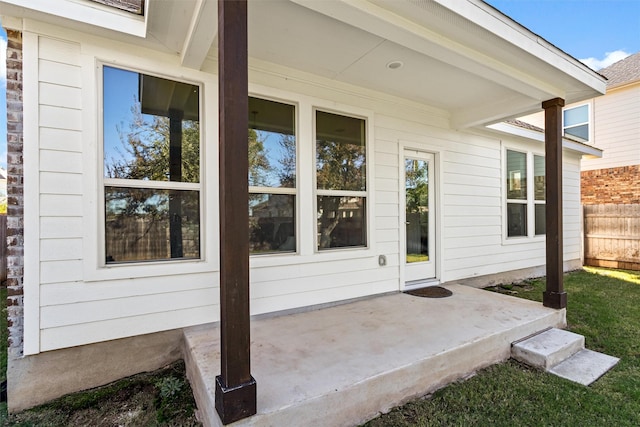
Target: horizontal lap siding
{"points": [[72, 311]]}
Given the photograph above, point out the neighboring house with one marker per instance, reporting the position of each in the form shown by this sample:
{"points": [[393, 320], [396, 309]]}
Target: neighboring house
{"points": [[610, 183], [615, 118], [363, 116]]}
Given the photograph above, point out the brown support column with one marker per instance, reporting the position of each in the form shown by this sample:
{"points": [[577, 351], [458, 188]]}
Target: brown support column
{"points": [[554, 296], [235, 387]]}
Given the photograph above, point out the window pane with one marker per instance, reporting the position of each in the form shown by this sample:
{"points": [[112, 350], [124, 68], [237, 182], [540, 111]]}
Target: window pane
{"points": [[416, 210], [147, 225], [516, 175], [539, 177], [340, 152], [541, 224], [574, 116], [272, 144], [272, 223], [341, 222], [581, 132], [151, 127], [516, 219]]}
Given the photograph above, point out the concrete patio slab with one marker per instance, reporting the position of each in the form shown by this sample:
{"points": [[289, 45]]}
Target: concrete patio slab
{"points": [[585, 367], [343, 365]]}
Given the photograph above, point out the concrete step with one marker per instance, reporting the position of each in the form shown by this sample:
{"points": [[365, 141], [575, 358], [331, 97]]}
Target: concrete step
{"points": [[562, 353], [585, 366], [548, 348]]}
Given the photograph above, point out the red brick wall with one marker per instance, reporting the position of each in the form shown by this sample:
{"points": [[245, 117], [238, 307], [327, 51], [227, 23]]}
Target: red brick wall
{"points": [[619, 186], [15, 215]]}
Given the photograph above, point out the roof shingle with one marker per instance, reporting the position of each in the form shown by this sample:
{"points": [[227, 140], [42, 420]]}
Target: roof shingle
{"points": [[622, 72]]}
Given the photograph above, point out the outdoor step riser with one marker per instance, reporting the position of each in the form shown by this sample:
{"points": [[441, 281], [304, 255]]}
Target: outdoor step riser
{"points": [[548, 349]]}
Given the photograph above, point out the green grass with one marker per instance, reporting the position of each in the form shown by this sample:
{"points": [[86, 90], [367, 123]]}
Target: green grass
{"points": [[604, 306]]}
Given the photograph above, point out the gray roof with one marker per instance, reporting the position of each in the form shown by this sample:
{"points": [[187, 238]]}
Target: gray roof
{"points": [[622, 72], [524, 125]]}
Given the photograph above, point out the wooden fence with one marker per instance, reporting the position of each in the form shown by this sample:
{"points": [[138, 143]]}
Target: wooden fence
{"points": [[612, 236]]}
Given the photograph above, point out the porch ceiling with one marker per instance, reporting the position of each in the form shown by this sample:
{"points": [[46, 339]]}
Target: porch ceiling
{"points": [[463, 57]]}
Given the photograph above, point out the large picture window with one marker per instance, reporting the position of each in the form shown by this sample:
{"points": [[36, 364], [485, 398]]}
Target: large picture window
{"points": [[341, 177], [525, 199], [151, 153], [272, 177]]}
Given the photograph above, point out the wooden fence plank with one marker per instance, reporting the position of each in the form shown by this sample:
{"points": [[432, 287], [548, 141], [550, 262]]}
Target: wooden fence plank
{"points": [[612, 236]]}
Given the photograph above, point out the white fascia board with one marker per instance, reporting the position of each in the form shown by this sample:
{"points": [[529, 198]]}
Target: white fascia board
{"points": [[568, 144], [202, 32], [84, 12], [390, 26], [485, 16], [11, 23]]}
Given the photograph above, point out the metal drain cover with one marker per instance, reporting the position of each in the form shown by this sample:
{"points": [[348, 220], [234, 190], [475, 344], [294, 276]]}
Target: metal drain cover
{"points": [[430, 292]]}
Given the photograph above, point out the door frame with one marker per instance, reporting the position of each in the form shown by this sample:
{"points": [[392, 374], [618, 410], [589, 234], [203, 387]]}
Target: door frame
{"points": [[436, 193]]}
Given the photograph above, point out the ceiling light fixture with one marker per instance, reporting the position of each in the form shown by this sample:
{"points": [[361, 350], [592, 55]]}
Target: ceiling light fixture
{"points": [[394, 65]]}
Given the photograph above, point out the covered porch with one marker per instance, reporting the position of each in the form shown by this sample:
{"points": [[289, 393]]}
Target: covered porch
{"points": [[342, 365]]}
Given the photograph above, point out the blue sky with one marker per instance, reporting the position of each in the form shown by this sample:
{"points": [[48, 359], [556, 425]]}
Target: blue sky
{"points": [[598, 32]]}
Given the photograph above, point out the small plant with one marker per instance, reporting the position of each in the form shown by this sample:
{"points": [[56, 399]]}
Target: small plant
{"points": [[169, 387]]}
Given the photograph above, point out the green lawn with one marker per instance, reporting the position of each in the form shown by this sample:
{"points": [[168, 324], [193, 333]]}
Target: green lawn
{"points": [[604, 306]]}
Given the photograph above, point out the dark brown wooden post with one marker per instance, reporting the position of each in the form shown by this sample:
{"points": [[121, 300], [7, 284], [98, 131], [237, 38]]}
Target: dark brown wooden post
{"points": [[554, 296], [235, 387]]}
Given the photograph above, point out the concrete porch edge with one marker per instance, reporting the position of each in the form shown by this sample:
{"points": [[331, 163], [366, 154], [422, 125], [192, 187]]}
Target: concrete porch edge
{"points": [[344, 365]]}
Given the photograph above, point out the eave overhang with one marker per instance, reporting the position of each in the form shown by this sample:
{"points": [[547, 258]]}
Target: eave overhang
{"points": [[538, 135], [462, 57]]}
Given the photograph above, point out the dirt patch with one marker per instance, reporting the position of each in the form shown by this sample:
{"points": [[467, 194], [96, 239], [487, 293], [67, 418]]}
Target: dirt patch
{"points": [[160, 398]]}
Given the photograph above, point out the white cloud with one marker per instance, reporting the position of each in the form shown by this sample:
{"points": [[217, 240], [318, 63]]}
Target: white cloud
{"points": [[609, 58], [3, 60]]}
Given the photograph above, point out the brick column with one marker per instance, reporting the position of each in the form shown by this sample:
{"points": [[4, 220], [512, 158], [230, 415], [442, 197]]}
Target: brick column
{"points": [[15, 201]]}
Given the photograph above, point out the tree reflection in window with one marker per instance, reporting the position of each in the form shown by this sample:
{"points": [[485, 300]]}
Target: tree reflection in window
{"points": [[341, 180], [151, 140], [272, 176]]}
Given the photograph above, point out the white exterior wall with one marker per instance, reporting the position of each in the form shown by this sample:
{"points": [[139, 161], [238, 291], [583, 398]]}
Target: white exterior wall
{"points": [[617, 128], [70, 300]]}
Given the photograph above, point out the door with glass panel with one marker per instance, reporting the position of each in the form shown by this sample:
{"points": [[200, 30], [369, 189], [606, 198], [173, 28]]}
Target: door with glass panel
{"points": [[419, 217]]}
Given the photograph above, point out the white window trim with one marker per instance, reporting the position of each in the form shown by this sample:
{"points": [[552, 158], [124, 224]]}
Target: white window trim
{"points": [[306, 221], [588, 122], [530, 202], [94, 265]]}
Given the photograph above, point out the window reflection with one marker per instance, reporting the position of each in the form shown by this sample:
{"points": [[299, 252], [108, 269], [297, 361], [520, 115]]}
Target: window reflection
{"points": [[272, 176], [151, 127], [341, 222], [151, 133], [340, 152], [272, 144], [141, 224], [272, 223]]}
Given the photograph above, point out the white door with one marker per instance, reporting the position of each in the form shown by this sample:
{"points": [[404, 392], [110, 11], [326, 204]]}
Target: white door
{"points": [[419, 217]]}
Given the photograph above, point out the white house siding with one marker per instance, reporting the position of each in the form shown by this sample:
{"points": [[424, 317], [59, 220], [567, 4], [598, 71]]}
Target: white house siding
{"points": [[617, 128], [80, 303]]}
